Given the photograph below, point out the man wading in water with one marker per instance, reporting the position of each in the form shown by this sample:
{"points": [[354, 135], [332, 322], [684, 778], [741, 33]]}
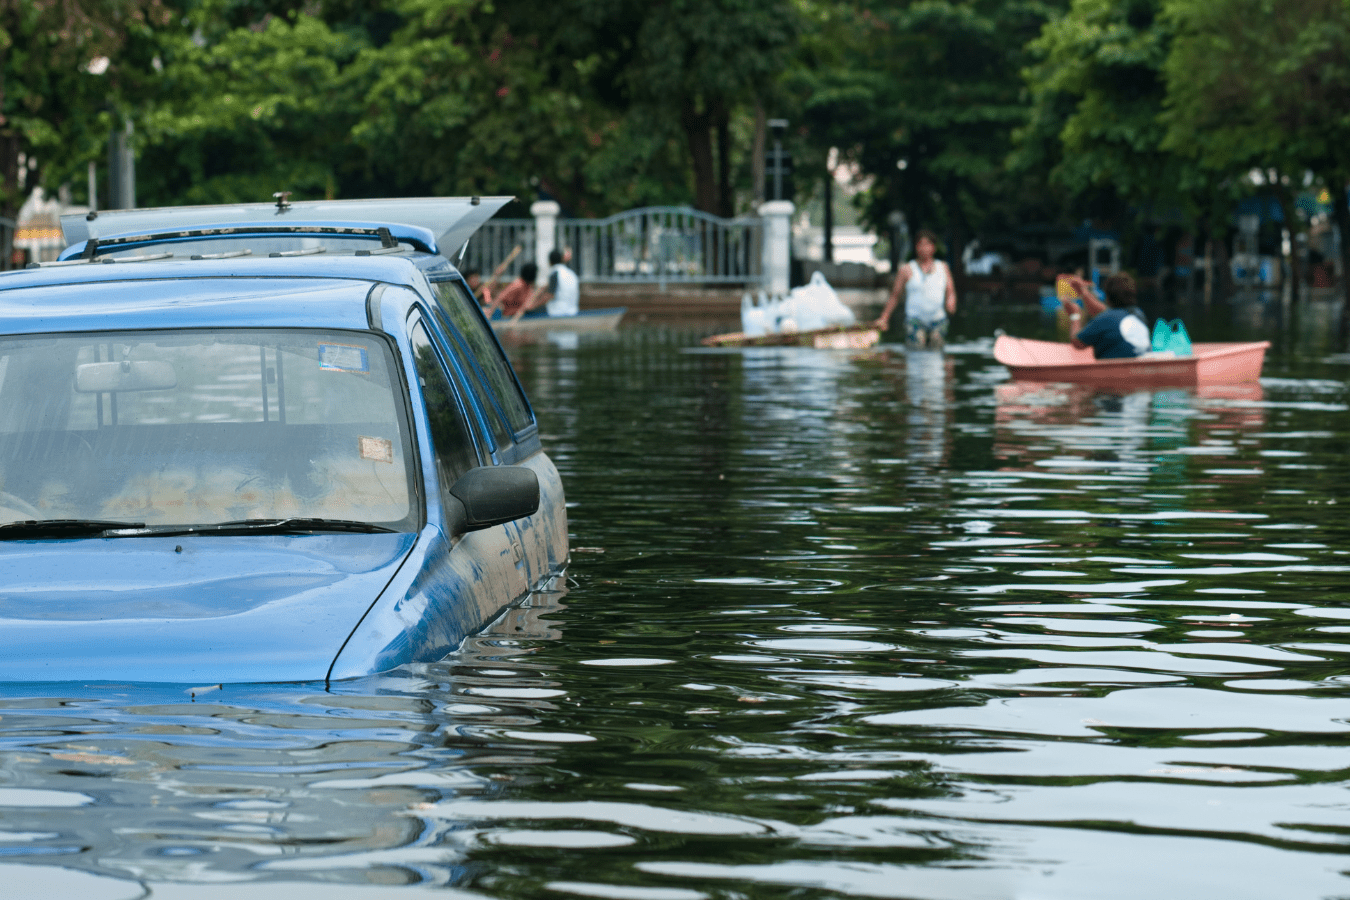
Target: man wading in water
{"points": [[930, 296]]}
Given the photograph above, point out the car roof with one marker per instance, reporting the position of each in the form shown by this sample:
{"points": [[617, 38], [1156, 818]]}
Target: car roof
{"points": [[449, 221], [331, 235], [240, 293]]}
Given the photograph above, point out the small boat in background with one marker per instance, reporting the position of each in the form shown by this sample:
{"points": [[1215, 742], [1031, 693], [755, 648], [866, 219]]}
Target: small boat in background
{"points": [[1209, 364], [838, 337], [584, 321]]}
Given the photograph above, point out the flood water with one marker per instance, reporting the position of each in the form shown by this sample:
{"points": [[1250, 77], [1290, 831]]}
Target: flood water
{"points": [[839, 625]]}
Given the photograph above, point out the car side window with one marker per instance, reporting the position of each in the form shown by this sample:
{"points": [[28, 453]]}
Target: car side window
{"points": [[461, 309], [495, 424], [452, 442]]}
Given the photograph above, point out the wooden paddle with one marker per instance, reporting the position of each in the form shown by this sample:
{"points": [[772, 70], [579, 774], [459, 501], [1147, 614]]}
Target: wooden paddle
{"points": [[496, 274]]}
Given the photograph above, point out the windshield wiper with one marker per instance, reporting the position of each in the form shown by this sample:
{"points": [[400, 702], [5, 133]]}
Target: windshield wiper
{"points": [[293, 525], [61, 528]]}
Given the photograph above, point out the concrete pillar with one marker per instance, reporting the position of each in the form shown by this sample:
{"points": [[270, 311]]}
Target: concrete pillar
{"points": [[545, 214], [777, 253]]}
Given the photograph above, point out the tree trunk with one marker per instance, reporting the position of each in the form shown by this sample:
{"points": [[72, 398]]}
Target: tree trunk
{"points": [[1340, 207], [827, 226], [726, 197], [1223, 273], [760, 148], [698, 132], [9, 194], [1209, 269], [9, 176], [1289, 207]]}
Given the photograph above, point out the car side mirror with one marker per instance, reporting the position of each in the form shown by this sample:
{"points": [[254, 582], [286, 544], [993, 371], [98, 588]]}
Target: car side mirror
{"points": [[494, 495]]}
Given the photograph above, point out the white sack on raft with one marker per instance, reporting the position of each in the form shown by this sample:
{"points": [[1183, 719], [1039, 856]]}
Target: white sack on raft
{"points": [[810, 307]]}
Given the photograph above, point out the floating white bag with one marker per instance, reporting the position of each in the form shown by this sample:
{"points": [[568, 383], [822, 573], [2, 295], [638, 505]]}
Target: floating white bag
{"points": [[754, 320], [818, 306]]}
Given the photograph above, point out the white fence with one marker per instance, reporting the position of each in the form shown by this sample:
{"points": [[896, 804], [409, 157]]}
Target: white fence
{"points": [[492, 244], [655, 245]]}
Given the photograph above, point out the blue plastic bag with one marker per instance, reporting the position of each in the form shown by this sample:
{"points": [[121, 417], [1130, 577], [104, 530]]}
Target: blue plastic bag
{"points": [[1171, 335]]}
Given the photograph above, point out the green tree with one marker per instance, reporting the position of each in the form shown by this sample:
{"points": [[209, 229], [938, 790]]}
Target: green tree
{"points": [[55, 88], [1263, 84], [1096, 90], [924, 96], [402, 97], [697, 60], [233, 114]]}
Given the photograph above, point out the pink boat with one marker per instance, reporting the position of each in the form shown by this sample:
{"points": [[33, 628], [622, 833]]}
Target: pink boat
{"points": [[1210, 364]]}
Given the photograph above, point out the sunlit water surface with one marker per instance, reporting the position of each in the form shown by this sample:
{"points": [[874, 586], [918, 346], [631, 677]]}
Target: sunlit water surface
{"points": [[877, 625]]}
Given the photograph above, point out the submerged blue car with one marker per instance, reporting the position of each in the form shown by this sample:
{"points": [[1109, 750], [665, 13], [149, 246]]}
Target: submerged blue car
{"points": [[219, 467]]}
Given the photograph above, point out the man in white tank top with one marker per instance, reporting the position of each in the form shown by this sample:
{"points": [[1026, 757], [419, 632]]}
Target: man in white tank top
{"points": [[930, 295], [562, 294]]}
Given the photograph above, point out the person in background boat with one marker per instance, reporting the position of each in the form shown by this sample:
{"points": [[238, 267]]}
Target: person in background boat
{"points": [[563, 293], [930, 295], [1118, 329], [515, 297], [482, 292]]}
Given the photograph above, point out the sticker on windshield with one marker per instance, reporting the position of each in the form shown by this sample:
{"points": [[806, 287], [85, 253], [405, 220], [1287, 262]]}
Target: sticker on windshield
{"points": [[376, 449], [343, 358]]}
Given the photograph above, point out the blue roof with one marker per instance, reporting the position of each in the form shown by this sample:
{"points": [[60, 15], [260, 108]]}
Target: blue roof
{"points": [[245, 292]]}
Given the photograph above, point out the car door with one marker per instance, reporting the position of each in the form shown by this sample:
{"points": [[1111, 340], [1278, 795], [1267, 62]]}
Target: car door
{"points": [[510, 422], [493, 555]]}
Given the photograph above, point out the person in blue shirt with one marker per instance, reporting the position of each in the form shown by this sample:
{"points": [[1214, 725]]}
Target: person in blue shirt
{"points": [[1118, 330]]}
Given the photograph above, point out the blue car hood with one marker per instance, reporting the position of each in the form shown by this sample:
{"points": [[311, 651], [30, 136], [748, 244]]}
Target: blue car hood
{"points": [[220, 609]]}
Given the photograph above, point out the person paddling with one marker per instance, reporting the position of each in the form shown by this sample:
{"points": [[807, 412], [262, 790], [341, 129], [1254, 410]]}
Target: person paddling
{"points": [[1119, 329], [515, 296], [930, 296], [563, 291], [483, 290]]}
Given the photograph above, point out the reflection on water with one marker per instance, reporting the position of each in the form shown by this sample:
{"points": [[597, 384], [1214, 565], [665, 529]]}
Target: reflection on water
{"points": [[884, 625]]}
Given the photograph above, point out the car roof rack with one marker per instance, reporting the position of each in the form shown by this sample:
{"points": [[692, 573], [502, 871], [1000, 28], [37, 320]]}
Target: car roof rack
{"points": [[94, 245], [86, 260], [452, 220]]}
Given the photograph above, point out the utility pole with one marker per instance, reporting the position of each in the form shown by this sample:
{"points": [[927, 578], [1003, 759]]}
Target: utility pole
{"points": [[780, 162], [121, 170], [776, 214]]}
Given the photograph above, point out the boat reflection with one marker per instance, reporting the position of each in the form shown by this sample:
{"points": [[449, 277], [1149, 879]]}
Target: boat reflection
{"points": [[1039, 423]]}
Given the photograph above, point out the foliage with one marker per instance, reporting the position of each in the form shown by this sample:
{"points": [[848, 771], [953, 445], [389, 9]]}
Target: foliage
{"points": [[971, 116], [699, 59], [1275, 98], [1096, 91], [53, 100], [410, 97], [1277, 95], [923, 96], [241, 113]]}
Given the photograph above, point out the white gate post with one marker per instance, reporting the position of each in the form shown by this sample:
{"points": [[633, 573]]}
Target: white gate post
{"points": [[777, 253], [545, 214]]}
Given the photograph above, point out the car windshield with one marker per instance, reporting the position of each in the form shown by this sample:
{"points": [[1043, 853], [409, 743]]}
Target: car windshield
{"points": [[200, 427]]}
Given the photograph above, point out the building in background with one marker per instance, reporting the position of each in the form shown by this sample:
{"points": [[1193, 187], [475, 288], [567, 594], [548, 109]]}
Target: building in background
{"points": [[37, 238]]}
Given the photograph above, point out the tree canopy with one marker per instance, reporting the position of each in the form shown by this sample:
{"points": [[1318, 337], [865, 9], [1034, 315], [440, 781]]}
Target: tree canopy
{"points": [[55, 84], [970, 116]]}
